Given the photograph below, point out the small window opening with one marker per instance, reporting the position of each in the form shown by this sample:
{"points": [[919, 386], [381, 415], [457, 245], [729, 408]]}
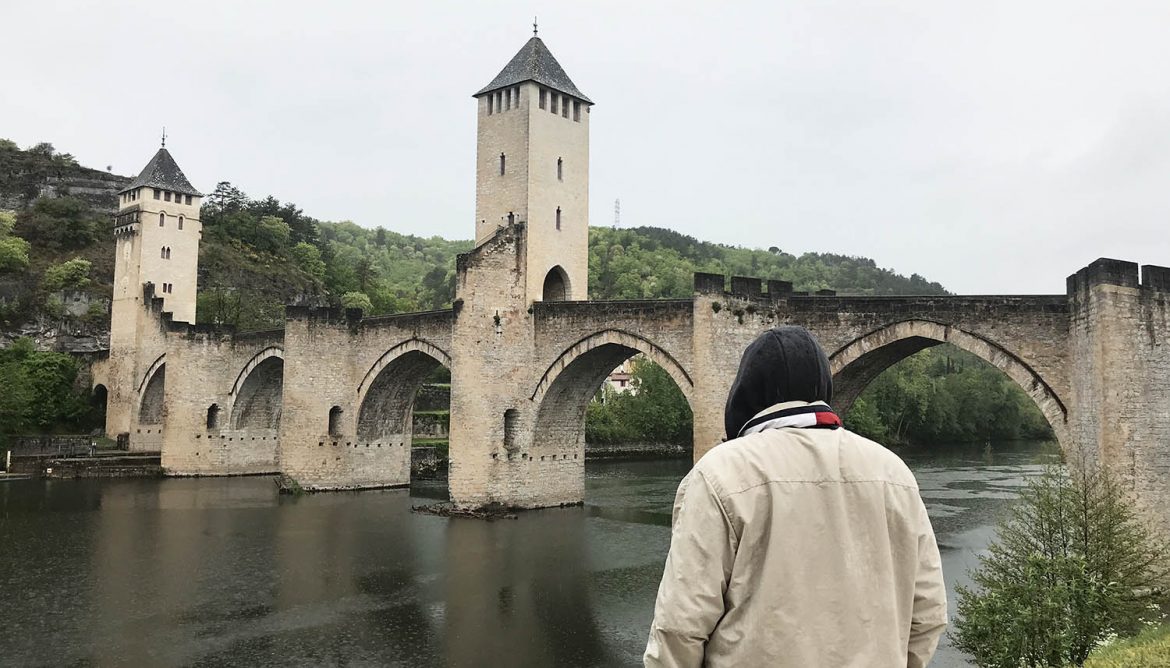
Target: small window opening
{"points": [[502, 164], [543, 99], [489, 105], [511, 217], [157, 192], [553, 105], [508, 99], [162, 252], [576, 113], [335, 421], [213, 416], [565, 107], [187, 200], [560, 174], [167, 195], [511, 422], [180, 222], [162, 219], [558, 217]]}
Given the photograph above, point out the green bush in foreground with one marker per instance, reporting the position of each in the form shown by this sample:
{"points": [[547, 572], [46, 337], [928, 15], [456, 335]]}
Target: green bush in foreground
{"points": [[1072, 567], [1150, 648]]}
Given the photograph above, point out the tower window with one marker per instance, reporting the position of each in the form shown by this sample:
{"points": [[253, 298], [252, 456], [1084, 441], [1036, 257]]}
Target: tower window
{"points": [[508, 99], [502, 164], [511, 217], [156, 193], [560, 173], [162, 219], [543, 98], [489, 104], [167, 195], [180, 222], [188, 202], [565, 107], [553, 103], [335, 421], [576, 114], [213, 416], [558, 217], [162, 252]]}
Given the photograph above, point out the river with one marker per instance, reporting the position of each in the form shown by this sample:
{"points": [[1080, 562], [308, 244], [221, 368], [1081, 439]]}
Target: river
{"points": [[222, 571]]}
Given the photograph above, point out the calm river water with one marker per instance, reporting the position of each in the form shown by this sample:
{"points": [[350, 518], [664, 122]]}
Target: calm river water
{"points": [[222, 571]]}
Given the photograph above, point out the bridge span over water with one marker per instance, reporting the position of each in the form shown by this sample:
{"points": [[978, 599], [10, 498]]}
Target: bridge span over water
{"points": [[328, 399]]}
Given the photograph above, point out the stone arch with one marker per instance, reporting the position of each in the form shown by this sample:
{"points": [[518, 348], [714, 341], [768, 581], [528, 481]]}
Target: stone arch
{"points": [[556, 285], [860, 361], [570, 382], [258, 394], [270, 351], [151, 391], [385, 396]]}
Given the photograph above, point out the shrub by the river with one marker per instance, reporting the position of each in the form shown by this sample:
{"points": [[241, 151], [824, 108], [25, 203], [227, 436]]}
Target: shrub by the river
{"points": [[38, 392], [1073, 566], [654, 411]]}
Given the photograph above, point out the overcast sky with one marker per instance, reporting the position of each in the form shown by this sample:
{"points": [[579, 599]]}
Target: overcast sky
{"points": [[995, 147]]}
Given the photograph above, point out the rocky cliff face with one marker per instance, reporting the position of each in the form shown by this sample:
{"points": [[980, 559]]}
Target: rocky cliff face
{"points": [[25, 177]]}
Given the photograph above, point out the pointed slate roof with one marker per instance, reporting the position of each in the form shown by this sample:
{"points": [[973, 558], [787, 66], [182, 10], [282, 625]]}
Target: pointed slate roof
{"points": [[163, 172], [534, 62]]}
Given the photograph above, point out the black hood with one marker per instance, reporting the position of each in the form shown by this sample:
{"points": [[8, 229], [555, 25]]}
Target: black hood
{"points": [[783, 364]]}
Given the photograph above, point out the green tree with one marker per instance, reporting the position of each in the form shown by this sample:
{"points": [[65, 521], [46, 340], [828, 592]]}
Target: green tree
{"points": [[357, 300], [653, 411], [1072, 564], [69, 275], [58, 222], [863, 418], [308, 258], [7, 223], [13, 254], [39, 391]]}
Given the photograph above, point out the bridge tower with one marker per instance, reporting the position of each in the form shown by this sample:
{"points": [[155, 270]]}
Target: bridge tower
{"points": [[532, 167], [156, 233]]}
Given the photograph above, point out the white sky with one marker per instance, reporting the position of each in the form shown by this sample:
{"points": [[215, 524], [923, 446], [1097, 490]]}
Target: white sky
{"points": [[995, 147]]}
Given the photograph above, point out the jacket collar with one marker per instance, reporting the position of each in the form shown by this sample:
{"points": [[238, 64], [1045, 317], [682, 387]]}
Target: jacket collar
{"points": [[800, 414], [787, 404]]}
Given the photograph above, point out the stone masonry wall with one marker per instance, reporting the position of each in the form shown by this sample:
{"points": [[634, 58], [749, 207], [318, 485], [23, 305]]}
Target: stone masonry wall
{"points": [[207, 368], [332, 359], [1120, 367], [1032, 329]]}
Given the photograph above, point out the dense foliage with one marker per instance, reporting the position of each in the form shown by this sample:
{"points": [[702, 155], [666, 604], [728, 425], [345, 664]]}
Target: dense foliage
{"points": [[651, 262], [653, 411], [39, 392], [1072, 566], [945, 395]]}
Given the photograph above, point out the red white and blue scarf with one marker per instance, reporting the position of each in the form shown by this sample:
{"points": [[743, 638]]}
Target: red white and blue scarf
{"points": [[810, 416]]}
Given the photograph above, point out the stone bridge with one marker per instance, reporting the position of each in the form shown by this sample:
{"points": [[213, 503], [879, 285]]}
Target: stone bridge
{"points": [[328, 400]]}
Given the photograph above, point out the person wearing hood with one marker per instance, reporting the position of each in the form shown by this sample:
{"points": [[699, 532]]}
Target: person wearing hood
{"points": [[796, 542]]}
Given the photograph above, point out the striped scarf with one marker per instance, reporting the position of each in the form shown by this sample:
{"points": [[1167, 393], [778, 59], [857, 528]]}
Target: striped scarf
{"points": [[811, 416]]}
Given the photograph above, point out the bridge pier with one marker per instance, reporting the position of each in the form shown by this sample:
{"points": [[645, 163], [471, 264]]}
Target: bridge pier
{"points": [[1119, 356]]}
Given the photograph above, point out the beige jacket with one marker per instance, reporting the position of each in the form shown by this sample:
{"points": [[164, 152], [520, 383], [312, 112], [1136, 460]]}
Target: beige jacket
{"points": [[799, 547]]}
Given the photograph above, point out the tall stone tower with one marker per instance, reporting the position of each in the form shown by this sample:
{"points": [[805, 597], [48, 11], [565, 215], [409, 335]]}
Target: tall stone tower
{"points": [[156, 233], [532, 167]]}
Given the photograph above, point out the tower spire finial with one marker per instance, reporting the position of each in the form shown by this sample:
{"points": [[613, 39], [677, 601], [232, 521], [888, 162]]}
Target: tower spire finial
{"points": [[534, 28], [164, 137]]}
